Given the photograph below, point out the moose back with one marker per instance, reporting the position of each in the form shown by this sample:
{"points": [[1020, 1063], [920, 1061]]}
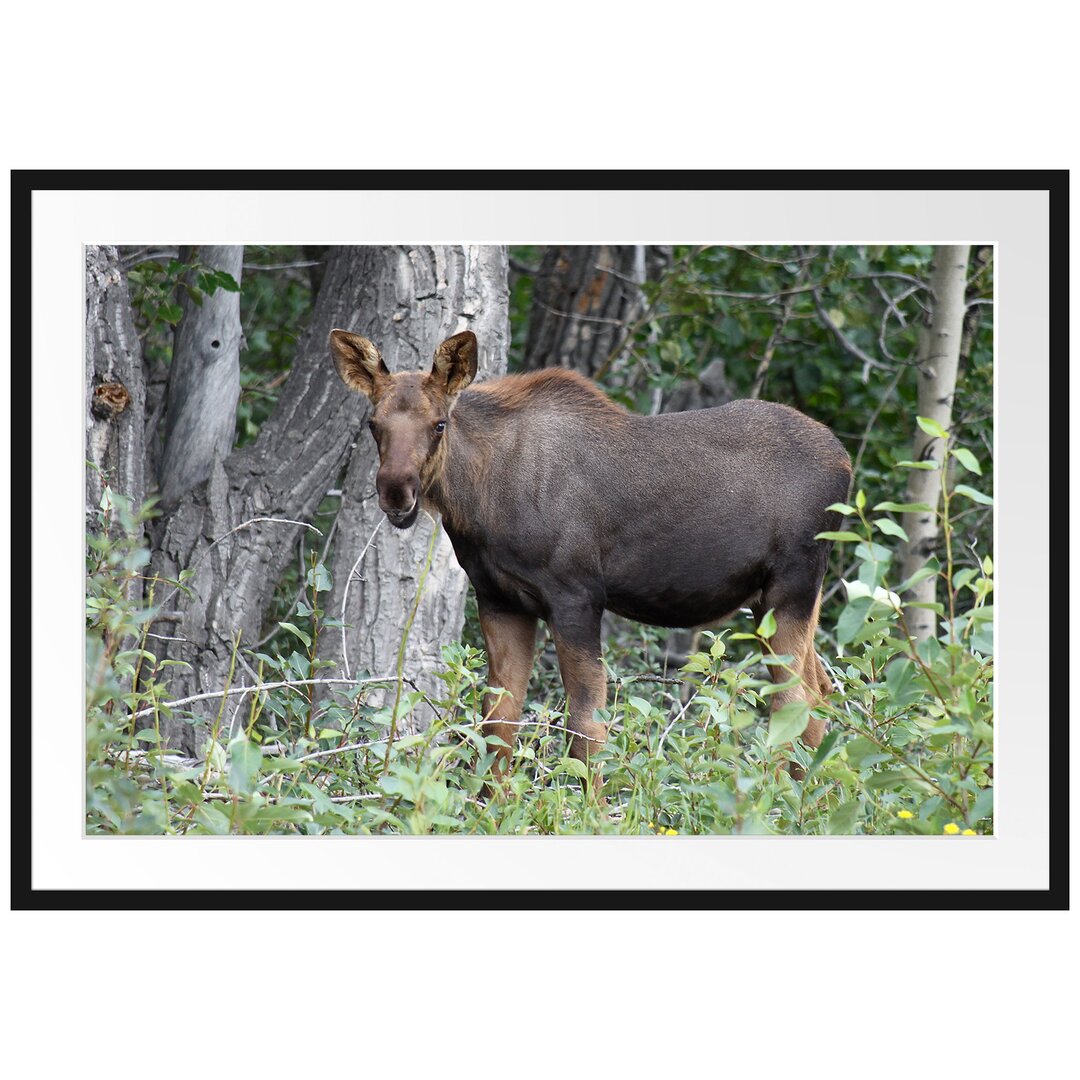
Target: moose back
{"points": [[560, 504]]}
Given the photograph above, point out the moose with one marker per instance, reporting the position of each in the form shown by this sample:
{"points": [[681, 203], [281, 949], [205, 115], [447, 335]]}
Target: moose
{"points": [[560, 504]]}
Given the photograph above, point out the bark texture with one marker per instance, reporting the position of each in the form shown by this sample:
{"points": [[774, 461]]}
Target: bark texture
{"points": [[204, 381], [939, 358], [583, 298], [114, 383], [220, 528], [414, 298]]}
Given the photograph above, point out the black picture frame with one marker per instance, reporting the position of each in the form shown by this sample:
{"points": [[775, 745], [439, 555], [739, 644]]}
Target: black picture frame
{"points": [[1055, 641]]}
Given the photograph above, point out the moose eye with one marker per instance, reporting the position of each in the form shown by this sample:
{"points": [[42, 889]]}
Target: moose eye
{"points": [[440, 427]]}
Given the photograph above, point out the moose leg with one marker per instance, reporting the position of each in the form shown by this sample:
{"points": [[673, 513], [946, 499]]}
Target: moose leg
{"points": [[795, 637], [510, 639], [577, 644], [815, 680]]}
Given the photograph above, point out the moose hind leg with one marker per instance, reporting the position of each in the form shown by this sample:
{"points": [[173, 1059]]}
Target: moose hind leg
{"points": [[794, 637], [577, 645]]}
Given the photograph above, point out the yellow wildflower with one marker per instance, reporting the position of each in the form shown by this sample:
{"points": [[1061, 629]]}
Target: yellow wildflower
{"points": [[952, 829], [672, 832], [905, 814], [969, 832]]}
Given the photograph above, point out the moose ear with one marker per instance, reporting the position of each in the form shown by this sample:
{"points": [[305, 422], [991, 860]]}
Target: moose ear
{"points": [[455, 363], [358, 363]]}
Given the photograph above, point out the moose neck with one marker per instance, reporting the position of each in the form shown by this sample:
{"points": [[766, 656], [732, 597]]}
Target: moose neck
{"points": [[456, 474]]}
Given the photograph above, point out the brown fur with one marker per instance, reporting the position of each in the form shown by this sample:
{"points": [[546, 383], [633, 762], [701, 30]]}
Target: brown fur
{"points": [[511, 647], [557, 385], [561, 504]]}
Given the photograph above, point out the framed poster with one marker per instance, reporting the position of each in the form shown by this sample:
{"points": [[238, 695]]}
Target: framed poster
{"points": [[809, 260]]}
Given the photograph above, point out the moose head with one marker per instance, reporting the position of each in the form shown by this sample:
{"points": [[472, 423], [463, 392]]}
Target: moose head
{"points": [[410, 414]]}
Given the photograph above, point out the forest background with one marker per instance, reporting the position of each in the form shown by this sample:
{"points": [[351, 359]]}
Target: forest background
{"points": [[262, 657]]}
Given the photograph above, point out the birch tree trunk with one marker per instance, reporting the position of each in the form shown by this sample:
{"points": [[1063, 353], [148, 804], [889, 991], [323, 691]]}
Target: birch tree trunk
{"points": [[204, 381], [113, 384], [238, 530], [939, 358], [416, 298]]}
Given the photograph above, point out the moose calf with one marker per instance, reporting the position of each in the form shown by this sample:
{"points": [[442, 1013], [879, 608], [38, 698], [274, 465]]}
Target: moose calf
{"points": [[560, 503]]}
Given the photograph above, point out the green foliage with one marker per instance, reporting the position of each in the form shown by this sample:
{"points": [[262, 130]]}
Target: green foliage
{"points": [[155, 287], [275, 309], [909, 748]]}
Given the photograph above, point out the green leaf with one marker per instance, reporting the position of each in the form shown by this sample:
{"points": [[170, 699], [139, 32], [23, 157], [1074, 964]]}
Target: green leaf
{"points": [[890, 528], [212, 819], [928, 569], [788, 723], [226, 281], [320, 578], [245, 757], [842, 820], [573, 767], [930, 463], [841, 508], [967, 459], [963, 577], [900, 679], [931, 427], [768, 625], [890, 778], [853, 537], [823, 752], [852, 619], [971, 493], [171, 313], [641, 705], [904, 508], [297, 631]]}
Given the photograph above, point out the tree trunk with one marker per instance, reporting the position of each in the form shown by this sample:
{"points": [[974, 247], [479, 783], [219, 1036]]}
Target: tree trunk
{"points": [[204, 380], [114, 384], [583, 299], [419, 297], [939, 357], [220, 529]]}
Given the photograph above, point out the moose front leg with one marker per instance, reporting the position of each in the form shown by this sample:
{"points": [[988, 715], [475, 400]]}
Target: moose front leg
{"points": [[577, 644], [510, 639]]}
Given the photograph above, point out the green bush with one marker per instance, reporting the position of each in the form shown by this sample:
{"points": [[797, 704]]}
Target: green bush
{"points": [[909, 747]]}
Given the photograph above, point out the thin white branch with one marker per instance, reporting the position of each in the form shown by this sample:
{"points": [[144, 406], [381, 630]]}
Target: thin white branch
{"points": [[263, 686], [675, 719], [345, 594]]}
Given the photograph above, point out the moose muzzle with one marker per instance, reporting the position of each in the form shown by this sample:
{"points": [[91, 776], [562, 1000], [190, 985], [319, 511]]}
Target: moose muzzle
{"points": [[398, 497]]}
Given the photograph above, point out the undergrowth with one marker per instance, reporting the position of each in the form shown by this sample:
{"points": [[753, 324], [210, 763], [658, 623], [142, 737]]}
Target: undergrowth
{"points": [[909, 748]]}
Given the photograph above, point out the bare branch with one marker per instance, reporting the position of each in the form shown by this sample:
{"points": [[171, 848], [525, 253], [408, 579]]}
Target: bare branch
{"points": [[345, 594], [846, 343], [213, 694]]}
